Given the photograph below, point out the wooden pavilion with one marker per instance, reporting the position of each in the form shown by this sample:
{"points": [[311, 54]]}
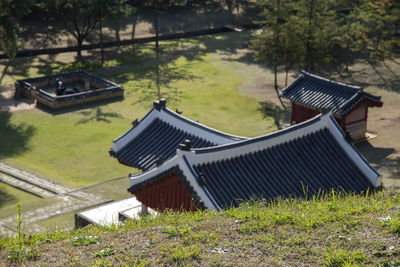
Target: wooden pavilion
{"points": [[311, 95]]}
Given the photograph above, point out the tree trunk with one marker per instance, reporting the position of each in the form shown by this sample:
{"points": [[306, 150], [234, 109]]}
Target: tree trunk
{"points": [[157, 54], [237, 13], [101, 33], [278, 3], [276, 77], [287, 73], [79, 51], [308, 63], [117, 38], [135, 18]]}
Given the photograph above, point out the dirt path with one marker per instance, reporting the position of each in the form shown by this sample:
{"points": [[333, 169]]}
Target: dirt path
{"points": [[8, 103], [50, 33]]}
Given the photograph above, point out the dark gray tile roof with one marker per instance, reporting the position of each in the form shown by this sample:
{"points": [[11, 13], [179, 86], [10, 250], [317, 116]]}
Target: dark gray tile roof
{"points": [[158, 141], [158, 135], [324, 94], [314, 162], [308, 157]]}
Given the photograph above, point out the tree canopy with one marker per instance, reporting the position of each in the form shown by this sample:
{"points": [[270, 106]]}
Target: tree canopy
{"points": [[9, 28], [306, 33]]}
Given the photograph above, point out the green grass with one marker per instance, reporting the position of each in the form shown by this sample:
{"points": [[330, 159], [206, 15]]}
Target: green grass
{"points": [[72, 147], [64, 221], [10, 197], [348, 232], [26, 204], [66, 148], [116, 189]]}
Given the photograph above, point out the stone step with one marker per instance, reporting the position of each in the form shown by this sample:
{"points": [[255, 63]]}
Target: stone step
{"points": [[24, 186], [66, 199], [65, 204], [34, 179]]}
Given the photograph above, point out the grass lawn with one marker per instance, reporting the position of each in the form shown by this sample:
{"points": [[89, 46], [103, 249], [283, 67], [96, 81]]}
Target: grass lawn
{"points": [[27, 201], [61, 222], [116, 189], [72, 147], [10, 197]]}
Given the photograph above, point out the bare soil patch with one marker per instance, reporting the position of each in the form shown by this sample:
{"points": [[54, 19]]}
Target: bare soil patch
{"points": [[8, 103]]}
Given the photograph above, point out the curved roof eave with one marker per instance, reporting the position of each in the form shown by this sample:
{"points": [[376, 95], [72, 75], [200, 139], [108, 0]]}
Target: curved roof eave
{"points": [[184, 170], [185, 160]]}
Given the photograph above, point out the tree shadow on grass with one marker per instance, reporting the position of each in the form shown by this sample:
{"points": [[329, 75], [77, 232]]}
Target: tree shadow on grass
{"points": [[13, 138], [6, 198], [97, 115], [16, 67], [266, 108], [271, 110], [145, 88]]}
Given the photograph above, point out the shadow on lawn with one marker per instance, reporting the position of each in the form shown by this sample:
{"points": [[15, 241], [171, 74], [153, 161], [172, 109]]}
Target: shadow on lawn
{"points": [[14, 138], [168, 75], [6, 198], [16, 68], [97, 115], [380, 157], [270, 110]]}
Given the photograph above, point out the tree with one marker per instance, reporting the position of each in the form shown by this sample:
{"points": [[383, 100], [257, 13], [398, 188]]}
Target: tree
{"points": [[78, 17], [272, 44], [292, 47], [109, 10], [10, 10], [318, 29], [378, 25]]}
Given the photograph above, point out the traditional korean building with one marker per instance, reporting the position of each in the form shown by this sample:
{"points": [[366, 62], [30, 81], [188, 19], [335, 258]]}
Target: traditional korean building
{"points": [[155, 138], [311, 156], [310, 95]]}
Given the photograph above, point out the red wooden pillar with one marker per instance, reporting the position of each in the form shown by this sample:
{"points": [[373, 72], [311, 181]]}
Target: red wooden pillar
{"points": [[292, 113]]}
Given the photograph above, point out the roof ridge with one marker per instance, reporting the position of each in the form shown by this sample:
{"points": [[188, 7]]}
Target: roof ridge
{"points": [[200, 125], [261, 138], [329, 81]]}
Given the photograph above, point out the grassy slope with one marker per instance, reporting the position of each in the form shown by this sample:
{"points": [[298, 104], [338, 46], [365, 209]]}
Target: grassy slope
{"points": [[330, 230]]}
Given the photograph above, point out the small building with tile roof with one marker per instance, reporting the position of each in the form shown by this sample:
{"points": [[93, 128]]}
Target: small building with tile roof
{"points": [[155, 138], [310, 95], [311, 156]]}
